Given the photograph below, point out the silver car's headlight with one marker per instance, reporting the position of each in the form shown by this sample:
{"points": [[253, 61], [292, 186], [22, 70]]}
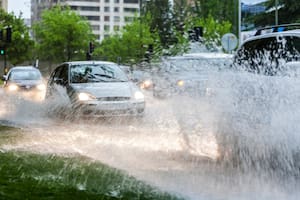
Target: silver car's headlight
{"points": [[138, 95], [13, 87], [82, 96]]}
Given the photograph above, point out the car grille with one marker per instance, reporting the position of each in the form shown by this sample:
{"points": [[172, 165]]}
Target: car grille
{"points": [[27, 87], [113, 98]]}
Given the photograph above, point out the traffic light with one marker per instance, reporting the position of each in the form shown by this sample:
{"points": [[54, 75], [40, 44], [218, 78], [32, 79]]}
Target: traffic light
{"points": [[88, 56], [8, 34], [2, 51], [91, 47], [198, 32], [1, 35]]}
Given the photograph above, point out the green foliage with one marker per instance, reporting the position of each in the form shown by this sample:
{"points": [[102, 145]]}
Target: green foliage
{"points": [[162, 21], [32, 176], [289, 13], [225, 10], [130, 45], [20, 48], [213, 30], [62, 35]]}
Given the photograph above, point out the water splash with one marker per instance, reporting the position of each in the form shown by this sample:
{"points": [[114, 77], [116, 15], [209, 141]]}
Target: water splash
{"points": [[241, 142]]}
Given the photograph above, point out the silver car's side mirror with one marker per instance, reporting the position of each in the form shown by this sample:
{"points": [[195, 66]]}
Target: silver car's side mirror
{"points": [[58, 81]]}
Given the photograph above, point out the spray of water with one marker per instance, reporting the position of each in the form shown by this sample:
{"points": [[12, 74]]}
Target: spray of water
{"points": [[240, 142]]}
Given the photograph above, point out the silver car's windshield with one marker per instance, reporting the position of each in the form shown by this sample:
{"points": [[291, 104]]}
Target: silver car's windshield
{"points": [[88, 73], [25, 75]]}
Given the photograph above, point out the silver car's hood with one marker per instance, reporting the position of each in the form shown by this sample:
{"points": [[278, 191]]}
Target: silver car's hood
{"points": [[105, 89]]}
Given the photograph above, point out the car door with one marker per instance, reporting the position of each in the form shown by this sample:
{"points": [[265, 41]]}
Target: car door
{"points": [[58, 82]]}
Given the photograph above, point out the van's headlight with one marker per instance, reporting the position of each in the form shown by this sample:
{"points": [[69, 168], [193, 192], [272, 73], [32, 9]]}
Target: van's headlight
{"points": [[146, 84], [138, 95], [13, 87], [41, 87], [82, 96]]}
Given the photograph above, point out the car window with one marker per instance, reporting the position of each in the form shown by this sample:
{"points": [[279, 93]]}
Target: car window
{"points": [[60, 75], [25, 75], [64, 74], [54, 75], [86, 73], [268, 55]]}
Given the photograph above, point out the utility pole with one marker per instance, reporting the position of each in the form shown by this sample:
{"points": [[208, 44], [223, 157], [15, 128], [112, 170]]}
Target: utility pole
{"points": [[239, 22], [276, 12]]}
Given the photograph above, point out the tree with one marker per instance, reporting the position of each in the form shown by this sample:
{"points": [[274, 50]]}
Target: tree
{"points": [[225, 10], [20, 47], [129, 46], [213, 30], [161, 21], [62, 35], [288, 12]]}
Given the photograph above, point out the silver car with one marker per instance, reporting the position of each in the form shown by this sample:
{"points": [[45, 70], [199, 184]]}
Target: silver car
{"points": [[96, 88]]}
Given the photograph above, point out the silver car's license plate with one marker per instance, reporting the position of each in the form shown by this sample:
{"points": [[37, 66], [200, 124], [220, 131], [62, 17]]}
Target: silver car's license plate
{"points": [[113, 106]]}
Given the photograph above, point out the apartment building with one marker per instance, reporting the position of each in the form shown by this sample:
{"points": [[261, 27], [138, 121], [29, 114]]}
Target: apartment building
{"points": [[105, 16], [3, 4]]}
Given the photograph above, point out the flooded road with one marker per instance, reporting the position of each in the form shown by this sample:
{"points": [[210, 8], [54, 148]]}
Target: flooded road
{"points": [[240, 142]]}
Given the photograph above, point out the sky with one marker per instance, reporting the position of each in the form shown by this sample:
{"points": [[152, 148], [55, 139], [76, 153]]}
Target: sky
{"points": [[18, 6], [252, 1], [23, 6]]}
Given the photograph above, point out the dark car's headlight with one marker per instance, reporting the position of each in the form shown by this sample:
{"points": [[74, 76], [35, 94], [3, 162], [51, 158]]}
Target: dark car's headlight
{"points": [[83, 96], [41, 87], [13, 87]]}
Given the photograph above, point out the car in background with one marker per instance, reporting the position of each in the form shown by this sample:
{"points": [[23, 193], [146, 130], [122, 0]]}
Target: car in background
{"points": [[187, 74], [96, 88], [141, 76], [273, 51], [26, 82], [270, 51]]}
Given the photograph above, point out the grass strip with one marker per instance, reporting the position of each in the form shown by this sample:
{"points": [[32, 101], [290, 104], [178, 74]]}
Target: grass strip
{"points": [[26, 175]]}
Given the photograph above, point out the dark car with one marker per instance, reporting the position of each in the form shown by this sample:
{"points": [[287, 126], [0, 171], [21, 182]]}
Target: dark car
{"points": [[188, 74], [96, 88], [26, 82], [270, 51]]}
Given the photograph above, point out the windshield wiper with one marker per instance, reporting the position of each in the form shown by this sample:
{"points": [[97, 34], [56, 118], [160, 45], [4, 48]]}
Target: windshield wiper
{"points": [[110, 77]]}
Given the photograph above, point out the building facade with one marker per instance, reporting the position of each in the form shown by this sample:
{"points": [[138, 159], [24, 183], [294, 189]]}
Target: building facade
{"points": [[3, 4], [104, 16]]}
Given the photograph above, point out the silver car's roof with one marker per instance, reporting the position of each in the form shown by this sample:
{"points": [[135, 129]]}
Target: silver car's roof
{"points": [[89, 62]]}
